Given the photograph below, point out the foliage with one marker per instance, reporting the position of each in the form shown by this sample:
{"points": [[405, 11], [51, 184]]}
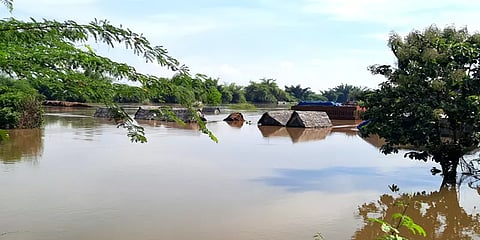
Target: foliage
{"points": [[242, 106], [183, 88], [344, 93], [232, 93], [124, 93], [87, 87], [8, 4], [303, 94], [56, 62], [20, 105], [430, 100], [266, 91]]}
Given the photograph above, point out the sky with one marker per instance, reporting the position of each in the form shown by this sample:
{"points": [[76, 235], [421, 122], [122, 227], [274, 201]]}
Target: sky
{"points": [[315, 43]]}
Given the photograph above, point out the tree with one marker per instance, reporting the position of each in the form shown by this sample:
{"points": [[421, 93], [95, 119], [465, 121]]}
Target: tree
{"points": [[124, 93], [267, 91], [232, 93], [298, 92], [344, 93], [430, 100], [20, 105], [56, 53]]}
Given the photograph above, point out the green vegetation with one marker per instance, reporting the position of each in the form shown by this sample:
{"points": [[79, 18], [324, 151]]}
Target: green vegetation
{"points": [[62, 66], [344, 93], [232, 93], [430, 100], [304, 94], [266, 91], [20, 105], [242, 106]]}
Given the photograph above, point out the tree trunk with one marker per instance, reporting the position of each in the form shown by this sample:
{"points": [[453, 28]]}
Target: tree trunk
{"points": [[449, 172]]}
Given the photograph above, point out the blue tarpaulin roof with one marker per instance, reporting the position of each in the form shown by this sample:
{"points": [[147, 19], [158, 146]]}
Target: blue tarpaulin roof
{"points": [[319, 103]]}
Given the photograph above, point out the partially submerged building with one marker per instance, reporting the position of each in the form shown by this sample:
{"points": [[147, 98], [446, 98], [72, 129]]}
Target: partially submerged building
{"points": [[289, 118], [309, 119], [275, 118]]}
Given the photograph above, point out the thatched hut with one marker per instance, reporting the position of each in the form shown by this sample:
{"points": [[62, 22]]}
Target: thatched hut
{"points": [[309, 119], [275, 118], [104, 112], [234, 117]]}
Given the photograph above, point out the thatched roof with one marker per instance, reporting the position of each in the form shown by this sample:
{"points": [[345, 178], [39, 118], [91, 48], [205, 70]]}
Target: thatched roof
{"points": [[275, 118], [309, 119]]}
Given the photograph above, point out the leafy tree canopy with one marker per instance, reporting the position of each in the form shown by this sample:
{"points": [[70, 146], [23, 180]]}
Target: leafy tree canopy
{"points": [[344, 93], [20, 105], [266, 91], [55, 60], [431, 99]]}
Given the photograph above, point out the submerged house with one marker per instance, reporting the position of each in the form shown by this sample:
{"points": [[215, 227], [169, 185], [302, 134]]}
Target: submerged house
{"points": [[335, 111], [275, 118], [309, 119], [301, 119]]}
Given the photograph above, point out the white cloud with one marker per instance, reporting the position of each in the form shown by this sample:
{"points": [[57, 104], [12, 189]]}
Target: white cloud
{"points": [[411, 13]]}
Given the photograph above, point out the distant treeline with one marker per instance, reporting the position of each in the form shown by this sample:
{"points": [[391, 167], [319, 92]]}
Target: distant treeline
{"points": [[181, 88]]}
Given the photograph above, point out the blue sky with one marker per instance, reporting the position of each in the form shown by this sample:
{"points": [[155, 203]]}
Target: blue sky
{"points": [[315, 43]]}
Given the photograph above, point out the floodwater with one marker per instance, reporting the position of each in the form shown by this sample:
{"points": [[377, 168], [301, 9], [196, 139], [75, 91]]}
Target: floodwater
{"points": [[81, 178]]}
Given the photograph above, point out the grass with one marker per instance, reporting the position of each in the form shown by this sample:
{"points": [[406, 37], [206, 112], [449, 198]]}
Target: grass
{"points": [[242, 106]]}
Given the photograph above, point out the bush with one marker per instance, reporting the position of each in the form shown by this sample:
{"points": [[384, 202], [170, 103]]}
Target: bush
{"points": [[20, 105]]}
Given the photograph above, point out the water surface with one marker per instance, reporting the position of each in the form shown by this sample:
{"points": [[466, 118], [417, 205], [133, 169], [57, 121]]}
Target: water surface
{"points": [[81, 178]]}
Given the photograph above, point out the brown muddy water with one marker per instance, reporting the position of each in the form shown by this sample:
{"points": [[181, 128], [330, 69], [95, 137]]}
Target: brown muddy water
{"points": [[81, 178]]}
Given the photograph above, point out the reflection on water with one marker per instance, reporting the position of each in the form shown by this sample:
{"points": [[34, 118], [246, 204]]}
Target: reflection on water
{"points": [[235, 124], [305, 134], [295, 134], [438, 212], [23, 144], [346, 179]]}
